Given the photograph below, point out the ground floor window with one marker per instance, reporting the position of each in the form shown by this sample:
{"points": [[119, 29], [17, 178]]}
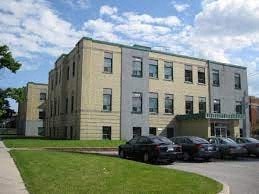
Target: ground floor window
{"points": [[241, 132], [41, 131], [107, 134], [152, 131], [136, 131], [219, 130], [170, 132], [71, 132]]}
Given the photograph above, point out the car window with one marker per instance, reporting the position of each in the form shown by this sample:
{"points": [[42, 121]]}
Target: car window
{"points": [[187, 141], [160, 139], [134, 140], [252, 140], [199, 140], [142, 140], [227, 141]]}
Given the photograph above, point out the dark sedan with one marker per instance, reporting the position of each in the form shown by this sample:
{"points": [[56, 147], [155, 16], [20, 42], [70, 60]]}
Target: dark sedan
{"points": [[251, 144], [150, 149], [228, 147], [195, 147]]}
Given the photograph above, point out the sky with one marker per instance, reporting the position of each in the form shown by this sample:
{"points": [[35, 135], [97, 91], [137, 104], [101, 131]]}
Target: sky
{"points": [[38, 31]]}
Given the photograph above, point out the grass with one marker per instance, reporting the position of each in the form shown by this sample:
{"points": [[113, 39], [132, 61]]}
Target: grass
{"points": [[57, 172], [41, 143]]}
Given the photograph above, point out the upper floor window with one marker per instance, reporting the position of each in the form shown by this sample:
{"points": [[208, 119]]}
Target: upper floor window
{"points": [[201, 75], [137, 102], [74, 69], [107, 100], [68, 73], [169, 103], [66, 106], [153, 68], [56, 80], [52, 84], [137, 67], [107, 62], [72, 103], [41, 114], [216, 106], [168, 71], [215, 77], [60, 75], [239, 107], [153, 102], [188, 73], [237, 81], [202, 105], [43, 96], [188, 104]]}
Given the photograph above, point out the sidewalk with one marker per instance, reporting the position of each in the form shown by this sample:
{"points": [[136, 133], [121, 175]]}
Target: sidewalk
{"points": [[10, 179]]}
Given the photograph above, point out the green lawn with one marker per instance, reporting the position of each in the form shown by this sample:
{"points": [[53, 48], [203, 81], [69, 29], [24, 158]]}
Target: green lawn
{"points": [[40, 143], [57, 172]]}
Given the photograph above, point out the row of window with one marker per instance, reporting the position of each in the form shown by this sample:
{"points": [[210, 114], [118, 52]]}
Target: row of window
{"points": [[217, 106], [55, 106], [216, 79]]}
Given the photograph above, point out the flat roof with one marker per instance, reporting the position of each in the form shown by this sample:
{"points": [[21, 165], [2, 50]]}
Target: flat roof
{"points": [[34, 83]]}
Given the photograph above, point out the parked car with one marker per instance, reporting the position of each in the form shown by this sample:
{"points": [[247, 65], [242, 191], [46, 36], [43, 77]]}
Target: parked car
{"points": [[251, 144], [195, 147], [228, 147], [150, 149]]}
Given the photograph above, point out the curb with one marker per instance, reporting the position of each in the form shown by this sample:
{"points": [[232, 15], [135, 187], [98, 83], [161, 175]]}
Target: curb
{"points": [[225, 189]]}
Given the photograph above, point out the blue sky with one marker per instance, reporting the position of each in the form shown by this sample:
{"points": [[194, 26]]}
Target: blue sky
{"points": [[38, 31]]}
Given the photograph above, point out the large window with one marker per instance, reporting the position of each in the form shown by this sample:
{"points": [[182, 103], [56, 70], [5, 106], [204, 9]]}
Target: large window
{"points": [[169, 103], [202, 105], [239, 107], [107, 132], [201, 75], [188, 104], [137, 67], [153, 102], [43, 96], [136, 131], [237, 81], [216, 106], [107, 62], [107, 99], [215, 77], [168, 71], [188, 73], [152, 130], [153, 68], [137, 102]]}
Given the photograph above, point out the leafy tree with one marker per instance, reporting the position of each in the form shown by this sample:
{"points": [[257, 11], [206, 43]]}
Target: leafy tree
{"points": [[7, 60]]}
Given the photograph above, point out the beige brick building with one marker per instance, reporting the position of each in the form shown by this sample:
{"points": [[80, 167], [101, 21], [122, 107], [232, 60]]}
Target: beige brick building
{"points": [[31, 112], [103, 90]]}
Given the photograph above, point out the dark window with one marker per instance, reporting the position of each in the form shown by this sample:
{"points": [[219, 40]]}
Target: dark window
{"points": [[153, 102], [137, 67], [72, 103], [137, 102], [66, 107], [41, 114], [107, 132], [58, 105], [153, 69], [215, 76], [67, 73], [170, 132], [136, 131], [52, 84], [71, 132], [51, 108], [202, 105], [188, 73], [107, 62], [74, 69], [55, 106], [143, 140], [43, 96], [107, 100], [41, 131], [60, 75], [237, 81], [56, 80], [168, 71], [169, 103], [189, 105], [152, 130], [239, 107], [216, 106], [201, 75]]}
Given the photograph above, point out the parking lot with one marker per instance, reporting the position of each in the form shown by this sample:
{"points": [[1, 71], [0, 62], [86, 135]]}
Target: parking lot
{"points": [[242, 175]]}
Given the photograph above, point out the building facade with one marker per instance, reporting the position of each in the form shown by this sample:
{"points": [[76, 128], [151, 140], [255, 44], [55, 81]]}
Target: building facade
{"points": [[103, 90], [31, 112], [254, 115]]}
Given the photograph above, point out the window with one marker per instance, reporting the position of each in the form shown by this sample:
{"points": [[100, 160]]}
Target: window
{"points": [[237, 81], [41, 114], [168, 71], [239, 107], [107, 100], [153, 68], [215, 76], [136, 131], [137, 102], [152, 130], [72, 103], [52, 84], [216, 106], [51, 108], [137, 67], [41, 131], [107, 134], [67, 73], [60, 75], [43, 96], [153, 102], [107, 62], [188, 104], [55, 106], [201, 75], [58, 105], [169, 103], [56, 80], [74, 69], [202, 105], [66, 107], [188, 73]]}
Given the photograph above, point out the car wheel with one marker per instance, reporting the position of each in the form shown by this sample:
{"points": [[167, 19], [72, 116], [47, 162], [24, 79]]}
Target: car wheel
{"points": [[186, 156], [122, 154], [145, 157]]}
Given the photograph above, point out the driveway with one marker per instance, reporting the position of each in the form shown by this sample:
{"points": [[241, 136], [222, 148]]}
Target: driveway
{"points": [[241, 175]]}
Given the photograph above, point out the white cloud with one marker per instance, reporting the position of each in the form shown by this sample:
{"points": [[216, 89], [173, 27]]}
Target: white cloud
{"points": [[180, 7], [108, 10], [78, 4]]}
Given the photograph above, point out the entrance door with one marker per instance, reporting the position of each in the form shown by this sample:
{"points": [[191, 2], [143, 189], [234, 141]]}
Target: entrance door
{"points": [[221, 131]]}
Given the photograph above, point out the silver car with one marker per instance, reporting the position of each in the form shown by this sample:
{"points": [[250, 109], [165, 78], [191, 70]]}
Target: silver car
{"points": [[251, 144]]}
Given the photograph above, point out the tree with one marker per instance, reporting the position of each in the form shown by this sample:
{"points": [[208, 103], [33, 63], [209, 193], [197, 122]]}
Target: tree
{"points": [[7, 60]]}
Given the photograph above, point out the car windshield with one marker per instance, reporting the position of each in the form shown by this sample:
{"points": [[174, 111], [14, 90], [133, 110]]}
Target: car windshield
{"points": [[228, 140], [199, 140], [251, 140], [161, 139]]}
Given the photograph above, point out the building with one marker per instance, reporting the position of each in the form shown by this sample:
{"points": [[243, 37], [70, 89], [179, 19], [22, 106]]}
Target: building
{"points": [[103, 90], [31, 112], [254, 115]]}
